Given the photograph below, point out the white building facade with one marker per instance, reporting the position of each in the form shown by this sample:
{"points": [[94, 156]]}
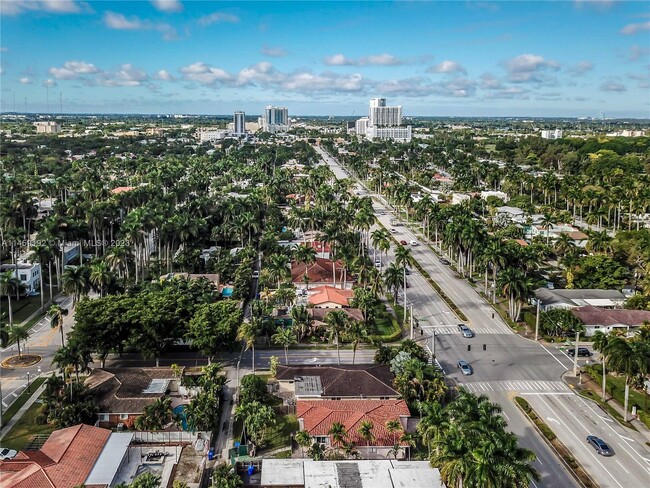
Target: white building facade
{"points": [[275, 119], [48, 127], [383, 122], [552, 134]]}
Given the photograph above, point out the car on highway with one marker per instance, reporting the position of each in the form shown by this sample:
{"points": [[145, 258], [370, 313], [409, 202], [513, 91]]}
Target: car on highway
{"points": [[7, 453], [583, 352], [600, 445], [413, 242], [465, 368], [466, 331], [394, 222], [256, 274], [444, 261], [407, 271], [393, 230], [378, 263], [403, 242]]}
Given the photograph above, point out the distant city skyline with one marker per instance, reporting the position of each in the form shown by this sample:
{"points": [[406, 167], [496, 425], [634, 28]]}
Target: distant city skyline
{"points": [[461, 58]]}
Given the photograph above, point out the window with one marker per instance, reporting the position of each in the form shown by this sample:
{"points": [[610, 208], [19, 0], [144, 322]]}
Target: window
{"points": [[124, 416], [322, 439], [373, 449], [103, 417], [23, 277]]}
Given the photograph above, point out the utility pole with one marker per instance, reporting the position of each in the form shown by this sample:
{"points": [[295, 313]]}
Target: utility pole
{"points": [[537, 320], [575, 354], [411, 321]]}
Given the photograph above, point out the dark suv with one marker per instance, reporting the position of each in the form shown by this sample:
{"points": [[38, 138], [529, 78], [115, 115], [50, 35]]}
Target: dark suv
{"points": [[583, 352]]}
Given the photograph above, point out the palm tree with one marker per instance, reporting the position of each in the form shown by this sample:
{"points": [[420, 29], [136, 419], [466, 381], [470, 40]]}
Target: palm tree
{"points": [[548, 220], [338, 433], [305, 254], [100, 276], [356, 332], [337, 323], [392, 277], [394, 426], [278, 267], [18, 334], [285, 337], [601, 344], [433, 418], [493, 254], [74, 281], [628, 357], [599, 242], [366, 433], [517, 287], [301, 320], [248, 332], [381, 240], [56, 314], [8, 282], [402, 258], [303, 439]]}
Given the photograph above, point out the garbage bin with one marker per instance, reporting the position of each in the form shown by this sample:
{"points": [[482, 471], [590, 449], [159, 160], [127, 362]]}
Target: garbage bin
{"points": [[211, 454], [250, 470]]}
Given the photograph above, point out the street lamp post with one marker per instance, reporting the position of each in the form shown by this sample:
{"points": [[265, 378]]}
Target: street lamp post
{"points": [[411, 321], [29, 387], [537, 320], [575, 354]]}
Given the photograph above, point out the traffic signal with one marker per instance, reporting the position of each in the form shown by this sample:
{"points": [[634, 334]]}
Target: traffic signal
{"points": [[469, 347], [485, 347]]}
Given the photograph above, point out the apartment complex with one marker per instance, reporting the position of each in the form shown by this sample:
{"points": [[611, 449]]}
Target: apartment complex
{"points": [[48, 127], [275, 119], [239, 123], [383, 122]]}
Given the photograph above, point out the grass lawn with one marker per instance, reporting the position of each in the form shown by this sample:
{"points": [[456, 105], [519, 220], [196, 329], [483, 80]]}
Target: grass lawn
{"points": [[23, 308], [20, 401], [279, 435], [18, 437], [616, 388], [384, 326]]}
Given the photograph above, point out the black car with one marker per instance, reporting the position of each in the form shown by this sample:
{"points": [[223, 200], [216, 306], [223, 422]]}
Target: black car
{"points": [[600, 445], [444, 261], [583, 352]]}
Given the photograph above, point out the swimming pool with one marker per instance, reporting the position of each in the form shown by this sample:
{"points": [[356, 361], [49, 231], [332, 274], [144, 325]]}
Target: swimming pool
{"points": [[179, 410], [227, 291]]}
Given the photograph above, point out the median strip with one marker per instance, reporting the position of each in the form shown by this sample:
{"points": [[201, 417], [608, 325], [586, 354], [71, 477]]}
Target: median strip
{"points": [[574, 467]]}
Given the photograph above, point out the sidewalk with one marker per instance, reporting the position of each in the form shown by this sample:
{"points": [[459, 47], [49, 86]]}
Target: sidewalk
{"points": [[21, 411], [589, 384]]}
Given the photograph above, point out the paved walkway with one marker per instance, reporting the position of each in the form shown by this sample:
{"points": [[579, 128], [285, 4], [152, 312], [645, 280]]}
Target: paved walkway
{"points": [[21, 411]]}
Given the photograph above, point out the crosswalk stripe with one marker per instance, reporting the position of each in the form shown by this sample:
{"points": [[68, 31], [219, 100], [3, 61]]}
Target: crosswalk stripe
{"points": [[516, 385]]}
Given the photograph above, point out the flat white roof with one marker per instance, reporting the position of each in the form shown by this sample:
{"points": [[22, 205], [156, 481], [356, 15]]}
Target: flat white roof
{"points": [[110, 459], [282, 472]]}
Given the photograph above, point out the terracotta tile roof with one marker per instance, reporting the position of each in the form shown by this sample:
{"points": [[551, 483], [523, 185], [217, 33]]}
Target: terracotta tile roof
{"points": [[576, 235], [331, 294], [121, 189], [590, 315], [521, 242], [120, 390], [347, 381], [319, 415], [65, 460], [319, 272]]}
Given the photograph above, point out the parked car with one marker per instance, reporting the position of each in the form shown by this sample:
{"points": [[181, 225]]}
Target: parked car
{"points": [[378, 263], [466, 331], [583, 352], [465, 368], [403, 242], [256, 274], [7, 453], [444, 261], [600, 445]]}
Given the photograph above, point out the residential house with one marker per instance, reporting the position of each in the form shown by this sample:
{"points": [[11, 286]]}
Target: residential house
{"points": [[66, 459], [317, 416], [607, 320], [497, 194], [578, 238], [322, 249], [330, 297], [510, 214], [573, 298], [368, 381], [122, 393], [458, 198], [322, 272], [28, 273], [373, 473]]}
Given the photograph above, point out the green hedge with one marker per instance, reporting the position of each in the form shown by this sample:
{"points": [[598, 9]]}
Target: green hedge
{"points": [[530, 319]]}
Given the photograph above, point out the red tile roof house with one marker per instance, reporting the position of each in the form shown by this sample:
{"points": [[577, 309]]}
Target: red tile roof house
{"points": [[322, 272], [330, 297], [606, 320], [317, 416], [65, 460], [122, 393]]}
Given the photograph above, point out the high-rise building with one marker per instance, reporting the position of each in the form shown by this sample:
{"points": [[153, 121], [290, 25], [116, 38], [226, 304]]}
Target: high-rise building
{"points": [[48, 127], [550, 134], [381, 115], [383, 122], [276, 119], [239, 123]]}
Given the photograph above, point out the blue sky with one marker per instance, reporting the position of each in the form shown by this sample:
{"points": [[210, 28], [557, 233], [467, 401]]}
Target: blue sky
{"points": [[464, 58]]}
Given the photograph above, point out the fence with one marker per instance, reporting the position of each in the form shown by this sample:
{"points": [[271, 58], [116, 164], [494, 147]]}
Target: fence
{"points": [[175, 437]]}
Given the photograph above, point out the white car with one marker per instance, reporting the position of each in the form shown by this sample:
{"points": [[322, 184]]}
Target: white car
{"points": [[378, 263], [414, 243], [6, 453]]}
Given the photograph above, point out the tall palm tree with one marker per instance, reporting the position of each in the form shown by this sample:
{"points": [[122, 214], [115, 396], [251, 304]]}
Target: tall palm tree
{"points": [[381, 240], [248, 332], [366, 433], [394, 427], [402, 259], [18, 334], [305, 254], [547, 221], [601, 344], [356, 332], [337, 323], [56, 314], [8, 282], [628, 357], [303, 439], [392, 277], [301, 320], [338, 433], [285, 337], [517, 287], [100, 276], [74, 281], [278, 267]]}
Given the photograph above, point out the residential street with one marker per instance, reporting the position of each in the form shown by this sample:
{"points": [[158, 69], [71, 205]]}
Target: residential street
{"points": [[509, 364]]}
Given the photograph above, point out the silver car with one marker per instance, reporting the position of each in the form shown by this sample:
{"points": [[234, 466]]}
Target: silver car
{"points": [[600, 445], [466, 331], [465, 368]]}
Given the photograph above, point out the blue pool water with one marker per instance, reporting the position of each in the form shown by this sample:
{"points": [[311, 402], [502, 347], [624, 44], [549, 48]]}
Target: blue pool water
{"points": [[180, 411], [226, 292]]}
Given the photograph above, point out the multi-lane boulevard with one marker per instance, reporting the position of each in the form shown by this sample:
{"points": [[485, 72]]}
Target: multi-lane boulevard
{"points": [[506, 364]]}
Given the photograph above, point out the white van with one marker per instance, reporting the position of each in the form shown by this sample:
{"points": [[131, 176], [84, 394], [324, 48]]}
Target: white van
{"points": [[413, 243]]}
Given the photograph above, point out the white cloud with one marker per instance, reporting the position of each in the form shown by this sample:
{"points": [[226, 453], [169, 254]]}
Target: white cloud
{"points": [[326, 82], [274, 52], [529, 68], [447, 67], [117, 21], [49, 82], [163, 75], [218, 17], [612, 86], [205, 75], [73, 70], [490, 82], [581, 68], [125, 75], [167, 5], [25, 81], [15, 7], [375, 60], [631, 29]]}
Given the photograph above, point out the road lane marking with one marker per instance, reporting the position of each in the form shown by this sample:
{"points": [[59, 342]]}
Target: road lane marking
{"points": [[619, 463], [553, 356], [551, 419], [626, 438]]}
